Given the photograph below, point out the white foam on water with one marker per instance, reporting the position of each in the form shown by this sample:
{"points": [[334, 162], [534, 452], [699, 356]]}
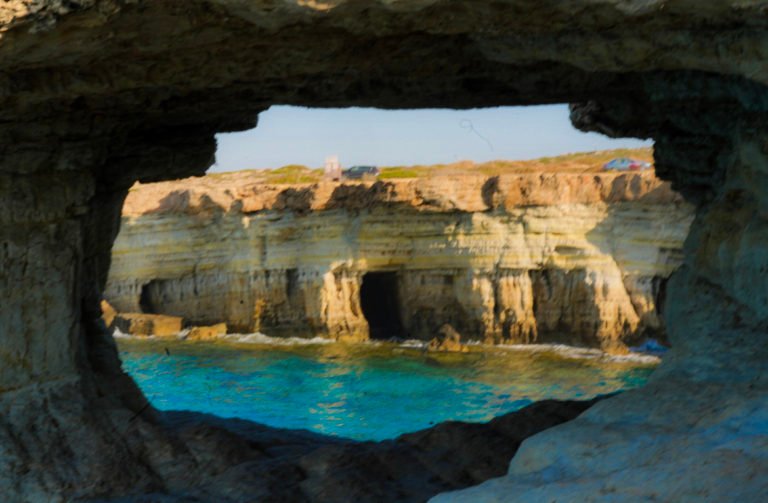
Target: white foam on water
{"points": [[259, 338], [562, 350], [636, 355], [117, 334], [580, 353], [413, 344]]}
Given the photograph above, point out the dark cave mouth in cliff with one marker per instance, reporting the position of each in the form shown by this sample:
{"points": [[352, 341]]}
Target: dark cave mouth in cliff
{"points": [[379, 300], [147, 298]]}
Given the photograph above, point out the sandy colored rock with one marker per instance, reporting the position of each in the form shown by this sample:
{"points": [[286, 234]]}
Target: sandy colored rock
{"points": [[108, 313], [246, 193], [206, 333], [447, 340], [140, 324], [570, 258]]}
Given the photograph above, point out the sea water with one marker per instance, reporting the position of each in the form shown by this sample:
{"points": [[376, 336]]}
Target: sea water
{"points": [[366, 391]]}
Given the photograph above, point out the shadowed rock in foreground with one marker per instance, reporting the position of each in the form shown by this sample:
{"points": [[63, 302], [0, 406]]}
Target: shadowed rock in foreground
{"points": [[240, 461]]}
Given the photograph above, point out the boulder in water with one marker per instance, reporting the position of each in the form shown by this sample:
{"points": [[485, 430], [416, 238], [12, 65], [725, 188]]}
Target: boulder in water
{"points": [[207, 333], [447, 340], [141, 324]]}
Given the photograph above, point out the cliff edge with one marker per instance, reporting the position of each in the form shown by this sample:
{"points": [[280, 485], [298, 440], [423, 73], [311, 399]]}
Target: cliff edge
{"points": [[514, 258]]}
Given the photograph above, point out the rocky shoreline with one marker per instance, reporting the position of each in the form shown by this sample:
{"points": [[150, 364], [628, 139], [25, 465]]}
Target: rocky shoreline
{"points": [[552, 257]]}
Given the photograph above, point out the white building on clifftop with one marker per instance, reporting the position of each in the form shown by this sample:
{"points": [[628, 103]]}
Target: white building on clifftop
{"points": [[332, 168]]}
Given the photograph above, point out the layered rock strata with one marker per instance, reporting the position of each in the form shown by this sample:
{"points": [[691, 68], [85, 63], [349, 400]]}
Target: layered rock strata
{"points": [[535, 257], [97, 94], [703, 415]]}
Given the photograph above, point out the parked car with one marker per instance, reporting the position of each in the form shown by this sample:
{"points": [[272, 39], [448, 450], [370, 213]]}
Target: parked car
{"points": [[360, 172], [626, 164]]}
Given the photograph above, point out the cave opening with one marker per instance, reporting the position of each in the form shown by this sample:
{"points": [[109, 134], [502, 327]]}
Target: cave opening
{"points": [[379, 300], [86, 118], [147, 302], [291, 282]]}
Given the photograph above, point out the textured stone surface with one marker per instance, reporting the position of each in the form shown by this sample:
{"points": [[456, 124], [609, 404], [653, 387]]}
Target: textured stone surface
{"points": [[95, 94], [447, 340], [148, 324], [108, 313], [549, 257], [243, 461], [206, 333]]}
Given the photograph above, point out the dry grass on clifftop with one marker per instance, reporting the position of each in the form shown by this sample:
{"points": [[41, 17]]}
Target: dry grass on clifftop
{"points": [[581, 162]]}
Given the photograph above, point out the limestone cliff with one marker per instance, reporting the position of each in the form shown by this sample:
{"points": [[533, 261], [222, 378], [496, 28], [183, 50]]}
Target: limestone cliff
{"points": [[532, 257]]}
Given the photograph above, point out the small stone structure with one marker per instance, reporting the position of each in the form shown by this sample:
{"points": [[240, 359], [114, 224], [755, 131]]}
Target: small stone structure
{"points": [[332, 171]]}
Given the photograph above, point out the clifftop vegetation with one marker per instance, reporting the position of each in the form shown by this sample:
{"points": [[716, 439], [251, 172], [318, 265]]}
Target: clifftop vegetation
{"points": [[580, 162]]}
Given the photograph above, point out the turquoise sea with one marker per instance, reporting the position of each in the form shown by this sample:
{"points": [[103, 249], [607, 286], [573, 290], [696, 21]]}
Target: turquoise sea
{"points": [[364, 391]]}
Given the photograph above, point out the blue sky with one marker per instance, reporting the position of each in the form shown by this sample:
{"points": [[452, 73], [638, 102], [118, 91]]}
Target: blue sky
{"points": [[296, 135]]}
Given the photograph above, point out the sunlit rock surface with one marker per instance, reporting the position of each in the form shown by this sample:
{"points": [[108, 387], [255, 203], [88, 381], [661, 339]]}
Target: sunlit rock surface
{"points": [[701, 423], [535, 257], [148, 324], [96, 94]]}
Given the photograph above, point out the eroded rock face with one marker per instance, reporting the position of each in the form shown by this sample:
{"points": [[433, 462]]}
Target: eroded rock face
{"points": [[148, 324], [550, 257], [703, 414], [447, 340], [96, 94]]}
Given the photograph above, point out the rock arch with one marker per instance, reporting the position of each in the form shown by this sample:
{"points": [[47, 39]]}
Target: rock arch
{"points": [[95, 94]]}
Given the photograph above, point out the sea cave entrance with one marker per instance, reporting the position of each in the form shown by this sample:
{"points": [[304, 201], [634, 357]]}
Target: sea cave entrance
{"points": [[91, 126], [147, 298], [379, 300]]}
